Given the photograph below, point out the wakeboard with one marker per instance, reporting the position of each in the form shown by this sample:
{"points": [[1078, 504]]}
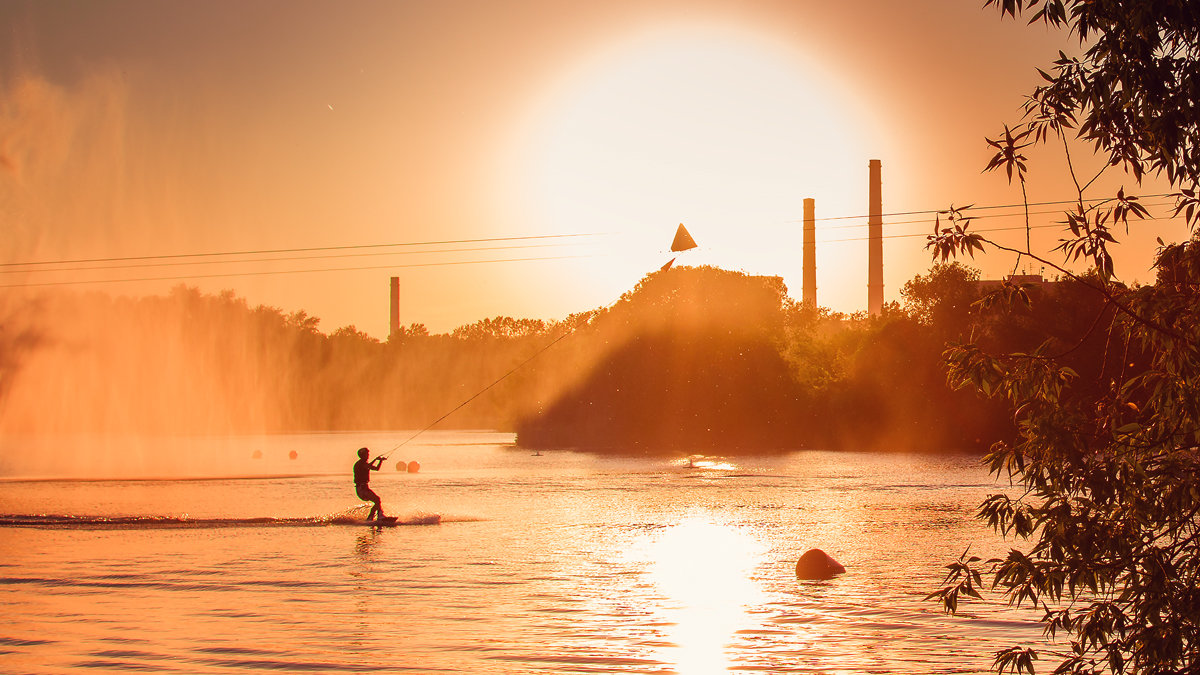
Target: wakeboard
{"points": [[393, 521]]}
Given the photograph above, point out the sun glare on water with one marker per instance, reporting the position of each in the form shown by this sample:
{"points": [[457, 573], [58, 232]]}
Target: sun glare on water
{"points": [[719, 129], [703, 572]]}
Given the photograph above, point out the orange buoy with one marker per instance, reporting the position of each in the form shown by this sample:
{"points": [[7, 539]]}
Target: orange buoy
{"points": [[414, 466], [293, 454], [817, 564]]}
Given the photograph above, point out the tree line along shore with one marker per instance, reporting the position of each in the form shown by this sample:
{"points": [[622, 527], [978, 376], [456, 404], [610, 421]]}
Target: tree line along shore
{"points": [[694, 359]]}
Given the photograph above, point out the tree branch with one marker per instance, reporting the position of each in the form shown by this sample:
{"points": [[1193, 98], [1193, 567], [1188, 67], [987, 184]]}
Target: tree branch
{"points": [[1099, 289]]}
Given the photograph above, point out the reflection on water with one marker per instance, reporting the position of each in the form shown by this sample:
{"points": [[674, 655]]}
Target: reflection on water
{"points": [[565, 563], [364, 545], [703, 570], [703, 462]]}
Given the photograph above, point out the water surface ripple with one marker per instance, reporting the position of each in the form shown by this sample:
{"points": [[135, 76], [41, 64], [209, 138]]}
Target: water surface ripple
{"points": [[562, 563]]}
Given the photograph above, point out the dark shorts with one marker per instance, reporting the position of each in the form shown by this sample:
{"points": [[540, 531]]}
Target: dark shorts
{"points": [[365, 493]]}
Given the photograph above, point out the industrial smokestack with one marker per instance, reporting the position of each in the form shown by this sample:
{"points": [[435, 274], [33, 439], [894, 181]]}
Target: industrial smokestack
{"points": [[810, 253], [875, 242], [394, 322]]}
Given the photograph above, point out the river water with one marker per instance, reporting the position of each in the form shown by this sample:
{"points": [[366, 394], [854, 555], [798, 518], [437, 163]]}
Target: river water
{"points": [[233, 557]]}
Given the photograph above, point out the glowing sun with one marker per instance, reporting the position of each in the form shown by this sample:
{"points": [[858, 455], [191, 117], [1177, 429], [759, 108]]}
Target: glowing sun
{"points": [[719, 129]]}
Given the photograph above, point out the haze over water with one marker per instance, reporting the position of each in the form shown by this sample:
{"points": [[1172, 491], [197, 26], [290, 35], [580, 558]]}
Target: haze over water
{"points": [[565, 562], [205, 206]]}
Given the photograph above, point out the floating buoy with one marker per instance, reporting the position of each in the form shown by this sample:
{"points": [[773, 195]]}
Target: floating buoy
{"points": [[293, 454], [401, 466], [816, 564], [414, 466], [257, 454]]}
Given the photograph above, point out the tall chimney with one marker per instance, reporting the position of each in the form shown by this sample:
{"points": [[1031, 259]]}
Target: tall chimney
{"points": [[394, 323], [810, 253], [875, 242]]}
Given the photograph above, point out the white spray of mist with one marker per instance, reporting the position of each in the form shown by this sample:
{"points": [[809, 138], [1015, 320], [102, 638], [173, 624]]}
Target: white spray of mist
{"points": [[78, 180]]}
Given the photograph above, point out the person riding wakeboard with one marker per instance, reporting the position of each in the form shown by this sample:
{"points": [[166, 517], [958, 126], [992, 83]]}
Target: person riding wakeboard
{"points": [[362, 476]]}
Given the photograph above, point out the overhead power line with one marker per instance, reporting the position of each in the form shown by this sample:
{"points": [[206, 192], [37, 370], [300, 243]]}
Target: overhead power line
{"points": [[445, 242], [189, 263], [436, 264], [275, 272], [1014, 214], [297, 250], [909, 235], [973, 208], [236, 257]]}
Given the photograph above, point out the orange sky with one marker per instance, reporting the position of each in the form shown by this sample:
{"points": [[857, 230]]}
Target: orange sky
{"points": [[152, 128]]}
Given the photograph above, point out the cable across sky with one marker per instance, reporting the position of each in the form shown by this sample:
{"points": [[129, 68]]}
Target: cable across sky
{"points": [[301, 250], [539, 241], [302, 271]]}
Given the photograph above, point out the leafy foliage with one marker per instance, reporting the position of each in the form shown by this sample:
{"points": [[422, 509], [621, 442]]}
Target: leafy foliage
{"points": [[693, 360], [941, 296], [706, 358], [1110, 489], [1107, 462], [1134, 90]]}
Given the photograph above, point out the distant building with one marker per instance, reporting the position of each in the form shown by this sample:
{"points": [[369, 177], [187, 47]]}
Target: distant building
{"points": [[394, 314], [875, 238], [810, 254], [989, 285]]}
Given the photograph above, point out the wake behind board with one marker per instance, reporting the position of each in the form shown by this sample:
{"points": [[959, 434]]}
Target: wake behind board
{"points": [[145, 522], [393, 521]]}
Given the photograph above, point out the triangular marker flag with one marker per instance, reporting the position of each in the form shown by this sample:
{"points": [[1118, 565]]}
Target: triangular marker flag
{"points": [[683, 240]]}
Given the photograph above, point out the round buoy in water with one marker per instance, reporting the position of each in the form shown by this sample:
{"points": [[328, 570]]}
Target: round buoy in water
{"points": [[817, 564], [257, 454], [414, 466], [401, 466], [293, 454]]}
